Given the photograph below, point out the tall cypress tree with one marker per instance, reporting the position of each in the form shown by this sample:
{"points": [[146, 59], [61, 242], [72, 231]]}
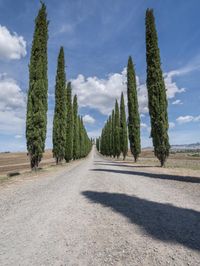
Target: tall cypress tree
{"points": [[133, 113], [70, 125], [97, 143], [117, 149], [123, 128], [75, 131], [36, 118], [112, 134], [81, 138], [59, 122], [156, 92]]}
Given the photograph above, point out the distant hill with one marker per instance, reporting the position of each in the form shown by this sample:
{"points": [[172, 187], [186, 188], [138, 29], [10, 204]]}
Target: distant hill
{"points": [[192, 146]]}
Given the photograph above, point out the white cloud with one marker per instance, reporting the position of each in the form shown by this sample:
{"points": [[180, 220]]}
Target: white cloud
{"points": [[177, 102], [142, 96], [12, 46], [171, 86], [88, 119], [193, 65], [11, 122], [187, 119], [12, 106], [11, 95], [100, 94]]}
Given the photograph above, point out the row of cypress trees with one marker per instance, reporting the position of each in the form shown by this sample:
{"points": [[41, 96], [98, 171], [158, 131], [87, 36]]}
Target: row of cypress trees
{"points": [[114, 138], [70, 139], [157, 103]]}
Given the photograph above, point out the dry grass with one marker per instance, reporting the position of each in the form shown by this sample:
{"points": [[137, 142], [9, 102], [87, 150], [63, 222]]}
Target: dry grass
{"points": [[175, 160], [19, 162]]}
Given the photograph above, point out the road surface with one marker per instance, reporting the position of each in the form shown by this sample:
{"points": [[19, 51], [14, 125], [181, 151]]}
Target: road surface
{"points": [[101, 212]]}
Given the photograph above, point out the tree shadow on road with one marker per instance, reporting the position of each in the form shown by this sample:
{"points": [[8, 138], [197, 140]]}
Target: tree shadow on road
{"points": [[190, 179], [126, 165], [162, 221]]}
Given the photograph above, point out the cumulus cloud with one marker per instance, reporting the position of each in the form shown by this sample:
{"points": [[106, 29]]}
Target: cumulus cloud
{"points": [[11, 95], [100, 94], [187, 119], [171, 86], [11, 123], [12, 46], [12, 106], [88, 119]]}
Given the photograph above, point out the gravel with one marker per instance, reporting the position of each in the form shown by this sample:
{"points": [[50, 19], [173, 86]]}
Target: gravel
{"points": [[101, 212]]}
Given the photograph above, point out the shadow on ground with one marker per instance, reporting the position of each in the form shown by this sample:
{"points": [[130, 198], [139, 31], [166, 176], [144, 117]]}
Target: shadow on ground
{"points": [[189, 179], [127, 165], [162, 221]]}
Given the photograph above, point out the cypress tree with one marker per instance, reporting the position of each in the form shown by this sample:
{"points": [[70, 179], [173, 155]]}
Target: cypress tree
{"points": [[156, 92], [117, 149], [75, 130], [84, 142], [107, 138], [133, 113], [123, 128], [103, 144], [70, 125], [112, 134], [59, 121], [97, 143], [81, 138], [36, 117]]}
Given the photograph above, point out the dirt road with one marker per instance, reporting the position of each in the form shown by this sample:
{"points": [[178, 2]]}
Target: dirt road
{"points": [[99, 212]]}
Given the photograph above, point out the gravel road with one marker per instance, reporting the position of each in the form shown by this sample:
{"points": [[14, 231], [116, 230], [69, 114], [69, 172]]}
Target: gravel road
{"points": [[101, 212]]}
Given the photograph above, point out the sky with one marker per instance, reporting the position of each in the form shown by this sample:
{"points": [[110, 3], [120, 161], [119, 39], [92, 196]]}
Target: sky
{"points": [[98, 37]]}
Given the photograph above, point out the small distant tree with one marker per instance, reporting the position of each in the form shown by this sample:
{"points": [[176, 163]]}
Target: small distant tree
{"points": [[113, 133], [81, 138], [156, 92], [123, 128], [36, 117], [133, 113], [59, 121], [97, 144], [109, 129], [117, 148], [76, 129]]}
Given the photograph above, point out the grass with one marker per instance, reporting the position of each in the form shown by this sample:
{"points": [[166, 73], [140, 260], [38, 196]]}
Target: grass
{"points": [[183, 160]]}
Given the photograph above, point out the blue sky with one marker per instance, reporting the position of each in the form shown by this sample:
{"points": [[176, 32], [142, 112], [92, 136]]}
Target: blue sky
{"points": [[98, 37]]}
